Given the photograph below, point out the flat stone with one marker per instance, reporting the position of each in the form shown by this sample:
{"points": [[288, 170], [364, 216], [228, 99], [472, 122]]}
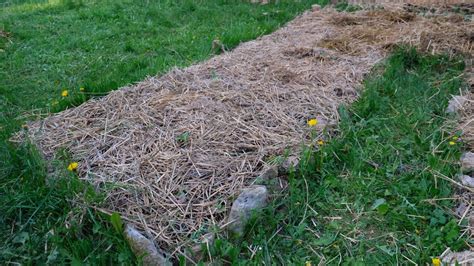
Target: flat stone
{"points": [[267, 175], [455, 104], [198, 251], [458, 258], [262, 2], [142, 246], [460, 209], [467, 180], [250, 200], [290, 162], [471, 224], [322, 123], [270, 173], [467, 162], [315, 7]]}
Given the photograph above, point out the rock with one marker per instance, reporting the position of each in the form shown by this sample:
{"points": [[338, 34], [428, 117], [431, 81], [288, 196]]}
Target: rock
{"points": [[458, 258], [322, 123], [250, 199], [460, 209], [315, 7], [270, 172], [143, 246], [267, 174], [197, 250], [290, 162], [455, 104], [270, 178], [467, 162], [471, 224], [262, 2], [467, 180]]}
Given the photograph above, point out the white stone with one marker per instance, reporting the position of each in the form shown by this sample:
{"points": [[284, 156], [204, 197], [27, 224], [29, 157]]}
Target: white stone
{"points": [[270, 172], [250, 199], [197, 250], [142, 246], [455, 104], [315, 7], [467, 162], [291, 162], [458, 258], [467, 180]]}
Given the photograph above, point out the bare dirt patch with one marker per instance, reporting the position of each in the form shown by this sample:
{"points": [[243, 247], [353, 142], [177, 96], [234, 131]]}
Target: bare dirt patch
{"points": [[177, 148]]}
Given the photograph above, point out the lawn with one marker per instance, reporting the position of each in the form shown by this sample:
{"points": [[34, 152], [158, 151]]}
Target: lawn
{"points": [[50, 46]]}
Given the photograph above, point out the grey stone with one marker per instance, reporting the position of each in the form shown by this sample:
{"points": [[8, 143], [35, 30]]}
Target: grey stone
{"points": [[460, 209], [467, 180], [142, 246], [315, 7], [262, 2], [197, 250], [458, 258], [270, 172], [250, 199], [271, 179], [467, 162], [267, 175], [455, 104], [290, 162]]}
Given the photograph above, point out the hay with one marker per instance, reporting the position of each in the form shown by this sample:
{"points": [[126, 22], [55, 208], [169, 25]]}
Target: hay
{"points": [[177, 148], [383, 29]]}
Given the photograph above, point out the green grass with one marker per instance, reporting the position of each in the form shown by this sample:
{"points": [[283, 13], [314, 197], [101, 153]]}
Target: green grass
{"points": [[100, 46], [107, 44], [364, 197]]}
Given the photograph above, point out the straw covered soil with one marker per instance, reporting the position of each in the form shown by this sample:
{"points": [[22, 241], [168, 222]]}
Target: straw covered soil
{"points": [[174, 150]]}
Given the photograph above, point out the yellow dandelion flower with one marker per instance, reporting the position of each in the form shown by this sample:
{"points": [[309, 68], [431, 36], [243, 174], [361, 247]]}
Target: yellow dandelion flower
{"points": [[312, 122], [452, 143], [81, 89], [64, 93], [321, 142], [436, 261], [308, 263], [72, 166]]}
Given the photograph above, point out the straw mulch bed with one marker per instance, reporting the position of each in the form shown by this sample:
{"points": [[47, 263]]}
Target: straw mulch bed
{"points": [[174, 150]]}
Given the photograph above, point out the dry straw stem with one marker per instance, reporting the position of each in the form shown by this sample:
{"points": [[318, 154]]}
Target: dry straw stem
{"points": [[173, 150]]}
